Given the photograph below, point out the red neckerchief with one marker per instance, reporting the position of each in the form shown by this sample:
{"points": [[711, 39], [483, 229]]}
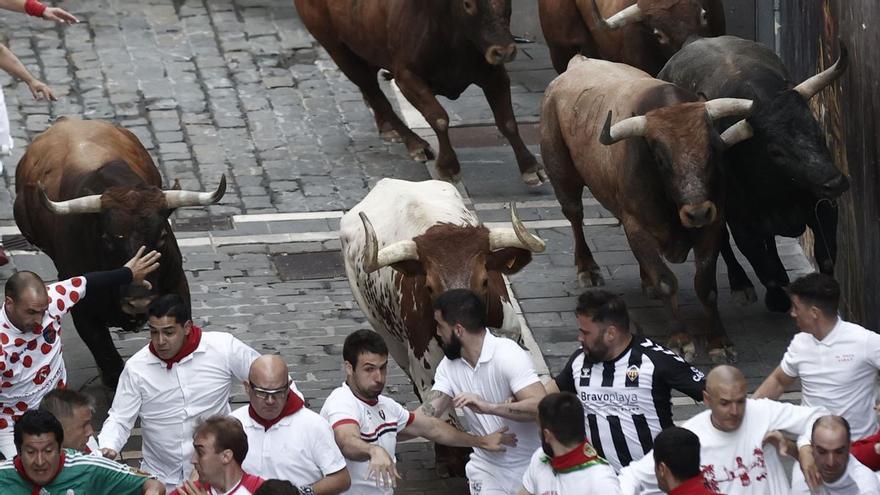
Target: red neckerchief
{"points": [[581, 457], [294, 404], [693, 486], [36, 488], [189, 346]]}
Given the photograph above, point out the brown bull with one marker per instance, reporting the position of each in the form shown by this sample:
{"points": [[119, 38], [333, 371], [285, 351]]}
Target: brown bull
{"points": [[657, 172], [89, 195], [435, 47], [643, 33]]}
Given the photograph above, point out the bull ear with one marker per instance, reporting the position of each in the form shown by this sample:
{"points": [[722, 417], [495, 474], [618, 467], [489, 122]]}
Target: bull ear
{"points": [[409, 268], [508, 260]]}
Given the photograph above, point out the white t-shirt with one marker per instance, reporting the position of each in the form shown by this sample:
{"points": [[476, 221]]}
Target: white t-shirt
{"points": [[379, 423], [737, 462], [597, 478], [838, 372], [857, 480], [299, 448], [502, 370]]}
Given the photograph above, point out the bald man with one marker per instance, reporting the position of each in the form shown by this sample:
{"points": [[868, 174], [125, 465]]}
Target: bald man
{"points": [[732, 432], [31, 361], [841, 473], [286, 440]]}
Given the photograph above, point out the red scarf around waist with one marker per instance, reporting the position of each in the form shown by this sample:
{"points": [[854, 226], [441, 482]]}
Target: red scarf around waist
{"points": [[189, 346], [35, 490], [293, 404], [581, 457]]}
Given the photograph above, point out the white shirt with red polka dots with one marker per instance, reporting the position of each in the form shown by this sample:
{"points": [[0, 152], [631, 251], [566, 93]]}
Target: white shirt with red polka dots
{"points": [[30, 359]]}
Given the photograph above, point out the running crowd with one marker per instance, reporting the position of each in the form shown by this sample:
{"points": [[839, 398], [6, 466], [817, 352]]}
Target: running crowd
{"points": [[602, 425]]}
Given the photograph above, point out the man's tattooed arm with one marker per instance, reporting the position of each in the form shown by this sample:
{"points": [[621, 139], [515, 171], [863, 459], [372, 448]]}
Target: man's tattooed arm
{"points": [[436, 404]]}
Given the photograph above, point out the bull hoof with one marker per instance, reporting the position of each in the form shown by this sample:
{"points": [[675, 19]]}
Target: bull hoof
{"points": [[650, 292], [744, 297], [451, 178], [534, 178], [422, 153], [590, 279], [723, 355], [777, 300], [689, 351], [392, 136]]}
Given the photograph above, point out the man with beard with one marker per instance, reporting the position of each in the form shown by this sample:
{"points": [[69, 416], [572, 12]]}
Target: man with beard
{"points": [[494, 382], [366, 423], [566, 462], [624, 381]]}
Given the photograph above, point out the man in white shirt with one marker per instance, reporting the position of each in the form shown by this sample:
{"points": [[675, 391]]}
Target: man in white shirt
{"points": [[219, 448], [837, 361], [566, 463], [181, 376], [841, 473], [31, 360], [493, 381], [286, 440], [732, 434], [366, 423]]}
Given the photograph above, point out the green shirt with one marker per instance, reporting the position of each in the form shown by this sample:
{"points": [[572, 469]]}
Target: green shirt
{"points": [[81, 475]]}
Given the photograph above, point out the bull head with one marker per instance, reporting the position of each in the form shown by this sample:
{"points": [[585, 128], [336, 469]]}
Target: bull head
{"points": [[173, 199], [685, 146], [406, 250], [809, 88], [487, 24]]}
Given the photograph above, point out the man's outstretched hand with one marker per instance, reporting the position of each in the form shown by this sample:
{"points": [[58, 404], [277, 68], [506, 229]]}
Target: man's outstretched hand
{"points": [[142, 265]]}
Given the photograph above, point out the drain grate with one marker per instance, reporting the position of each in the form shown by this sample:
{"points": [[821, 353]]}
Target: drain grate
{"points": [[309, 266], [17, 243], [484, 136], [202, 224]]}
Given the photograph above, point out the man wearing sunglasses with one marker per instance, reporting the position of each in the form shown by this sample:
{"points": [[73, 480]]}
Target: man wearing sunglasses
{"points": [[286, 440], [183, 375]]}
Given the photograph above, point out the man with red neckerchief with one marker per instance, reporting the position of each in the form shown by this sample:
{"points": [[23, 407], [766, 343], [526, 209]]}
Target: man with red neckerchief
{"points": [[566, 463], [183, 375], [677, 463], [286, 440], [43, 467], [31, 357]]}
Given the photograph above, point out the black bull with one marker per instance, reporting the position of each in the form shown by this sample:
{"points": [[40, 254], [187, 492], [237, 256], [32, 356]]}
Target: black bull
{"points": [[781, 180], [89, 195]]}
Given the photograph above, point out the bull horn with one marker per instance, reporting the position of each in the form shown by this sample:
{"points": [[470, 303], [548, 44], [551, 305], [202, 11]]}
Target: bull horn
{"points": [[374, 258], [181, 199], [820, 81], [728, 107], [629, 15], [519, 237], [740, 131], [626, 128], [85, 204]]}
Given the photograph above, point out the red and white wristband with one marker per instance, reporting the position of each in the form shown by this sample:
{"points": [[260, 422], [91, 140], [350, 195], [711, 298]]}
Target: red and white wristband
{"points": [[34, 8]]}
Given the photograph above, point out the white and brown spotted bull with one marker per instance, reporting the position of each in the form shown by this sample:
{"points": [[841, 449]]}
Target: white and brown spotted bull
{"points": [[657, 171], [408, 242], [89, 195]]}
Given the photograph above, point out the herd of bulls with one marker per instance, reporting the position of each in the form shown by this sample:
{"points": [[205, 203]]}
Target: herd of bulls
{"points": [[677, 130]]}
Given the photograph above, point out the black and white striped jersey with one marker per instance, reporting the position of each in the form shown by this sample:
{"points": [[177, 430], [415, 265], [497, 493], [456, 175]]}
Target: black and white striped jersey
{"points": [[627, 400]]}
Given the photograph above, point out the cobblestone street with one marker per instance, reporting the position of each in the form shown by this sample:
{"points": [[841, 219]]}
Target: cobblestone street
{"points": [[238, 87]]}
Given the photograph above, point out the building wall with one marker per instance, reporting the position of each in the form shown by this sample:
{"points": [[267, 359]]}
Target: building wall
{"points": [[849, 113]]}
